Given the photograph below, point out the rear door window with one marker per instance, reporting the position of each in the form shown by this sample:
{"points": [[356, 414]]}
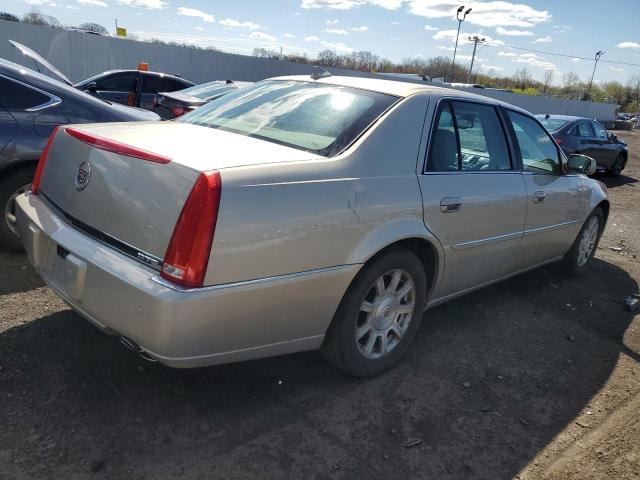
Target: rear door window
{"points": [[584, 130], [118, 82], [15, 96], [157, 83], [469, 137], [539, 152]]}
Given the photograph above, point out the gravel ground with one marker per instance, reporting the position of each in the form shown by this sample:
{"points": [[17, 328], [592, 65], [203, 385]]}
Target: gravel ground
{"points": [[535, 377]]}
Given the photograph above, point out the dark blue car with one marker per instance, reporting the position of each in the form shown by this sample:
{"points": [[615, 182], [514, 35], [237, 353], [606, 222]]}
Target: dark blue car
{"points": [[588, 137]]}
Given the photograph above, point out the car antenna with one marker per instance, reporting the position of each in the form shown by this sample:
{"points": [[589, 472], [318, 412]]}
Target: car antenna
{"points": [[547, 116], [319, 72]]}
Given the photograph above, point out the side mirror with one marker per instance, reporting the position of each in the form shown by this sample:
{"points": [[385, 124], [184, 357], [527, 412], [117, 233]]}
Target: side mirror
{"points": [[91, 86], [613, 137], [581, 164]]}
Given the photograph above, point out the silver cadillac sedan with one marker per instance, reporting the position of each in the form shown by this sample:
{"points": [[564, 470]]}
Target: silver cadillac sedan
{"points": [[302, 213]]}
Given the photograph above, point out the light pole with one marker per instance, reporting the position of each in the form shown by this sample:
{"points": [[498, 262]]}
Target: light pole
{"points": [[455, 49], [475, 39], [599, 53]]}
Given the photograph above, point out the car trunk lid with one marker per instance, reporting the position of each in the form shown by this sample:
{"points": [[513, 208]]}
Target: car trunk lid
{"points": [[126, 183]]}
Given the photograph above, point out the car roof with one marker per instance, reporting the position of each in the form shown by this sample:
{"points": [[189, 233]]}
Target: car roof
{"points": [[398, 88], [569, 118]]}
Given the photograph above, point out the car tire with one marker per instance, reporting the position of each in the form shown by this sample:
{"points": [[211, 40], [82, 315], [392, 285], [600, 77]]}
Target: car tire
{"points": [[577, 259], [372, 327], [16, 182], [618, 166]]}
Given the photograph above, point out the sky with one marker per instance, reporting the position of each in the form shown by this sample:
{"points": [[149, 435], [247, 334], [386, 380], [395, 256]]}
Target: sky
{"points": [[395, 29]]}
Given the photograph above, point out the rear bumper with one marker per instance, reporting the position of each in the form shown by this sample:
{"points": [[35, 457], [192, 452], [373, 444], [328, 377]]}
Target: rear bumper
{"points": [[180, 328]]}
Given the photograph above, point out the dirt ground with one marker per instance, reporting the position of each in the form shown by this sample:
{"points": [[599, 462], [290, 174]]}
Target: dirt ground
{"points": [[535, 377]]}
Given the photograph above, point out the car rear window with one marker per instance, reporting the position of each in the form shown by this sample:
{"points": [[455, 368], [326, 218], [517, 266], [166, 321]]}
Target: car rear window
{"points": [[316, 117], [553, 124]]}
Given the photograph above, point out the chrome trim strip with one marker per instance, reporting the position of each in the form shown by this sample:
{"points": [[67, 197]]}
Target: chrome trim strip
{"points": [[485, 241], [165, 283], [53, 99], [534, 231]]}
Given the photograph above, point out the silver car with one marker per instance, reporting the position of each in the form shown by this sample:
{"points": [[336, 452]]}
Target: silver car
{"points": [[302, 213]]}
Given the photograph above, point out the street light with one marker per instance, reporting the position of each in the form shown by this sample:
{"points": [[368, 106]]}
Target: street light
{"points": [[599, 53], [455, 49]]}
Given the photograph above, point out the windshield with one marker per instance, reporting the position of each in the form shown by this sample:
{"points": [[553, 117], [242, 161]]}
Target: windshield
{"points": [[310, 116], [553, 124], [208, 90]]}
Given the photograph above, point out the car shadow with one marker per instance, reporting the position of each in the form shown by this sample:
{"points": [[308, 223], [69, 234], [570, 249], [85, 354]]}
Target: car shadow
{"points": [[490, 380], [613, 182]]}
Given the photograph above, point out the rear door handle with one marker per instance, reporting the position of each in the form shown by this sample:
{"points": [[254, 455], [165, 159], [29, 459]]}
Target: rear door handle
{"points": [[539, 196], [450, 204]]}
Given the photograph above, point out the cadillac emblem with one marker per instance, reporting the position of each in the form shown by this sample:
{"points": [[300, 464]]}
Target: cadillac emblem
{"points": [[83, 175]]}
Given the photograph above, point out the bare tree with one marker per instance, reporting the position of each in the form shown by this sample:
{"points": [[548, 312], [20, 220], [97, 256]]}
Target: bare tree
{"points": [[35, 17], [8, 16], [548, 78], [569, 81], [522, 78], [94, 27]]}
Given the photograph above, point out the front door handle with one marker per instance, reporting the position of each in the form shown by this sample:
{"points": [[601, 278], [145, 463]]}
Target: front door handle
{"points": [[450, 204], [539, 196]]}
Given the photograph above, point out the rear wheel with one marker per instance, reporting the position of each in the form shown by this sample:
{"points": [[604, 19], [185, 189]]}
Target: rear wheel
{"points": [[618, 166], [584, 248], [378, 316], [16, 183]]}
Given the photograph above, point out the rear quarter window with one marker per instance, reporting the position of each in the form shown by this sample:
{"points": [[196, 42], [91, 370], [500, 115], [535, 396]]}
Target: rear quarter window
{"points": [[15, 96]]}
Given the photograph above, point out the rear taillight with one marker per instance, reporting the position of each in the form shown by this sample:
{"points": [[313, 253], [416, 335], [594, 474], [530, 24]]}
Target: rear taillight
{"points": [[187, 257], [178, 111], [116, 147], [37, 177]]}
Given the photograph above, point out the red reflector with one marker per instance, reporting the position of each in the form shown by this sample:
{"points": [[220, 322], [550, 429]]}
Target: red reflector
{"points": [[187, 256], [116, 147], [37, 178], [558, 140]]}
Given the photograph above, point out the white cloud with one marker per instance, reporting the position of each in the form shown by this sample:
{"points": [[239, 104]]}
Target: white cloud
{"points": [[486, 14], [575, 60], [336, 31], [231, 23], [339, 47], [546, 39], [311, 38], [192, 12], [535, 61], [150, 4], [448, 49], [429, 28], [361, 28], [93, 3], [617, 69], [48, 3], [506, 54], [332, 22], [73, 7], [514, 33], [289, 35], [262, 36], [451, 36], [628, 45], [349, 4], [491, 67], [198, 28]]}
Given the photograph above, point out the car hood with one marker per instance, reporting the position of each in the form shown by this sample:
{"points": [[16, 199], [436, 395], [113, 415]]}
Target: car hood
{"points": [[26, 51]]}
